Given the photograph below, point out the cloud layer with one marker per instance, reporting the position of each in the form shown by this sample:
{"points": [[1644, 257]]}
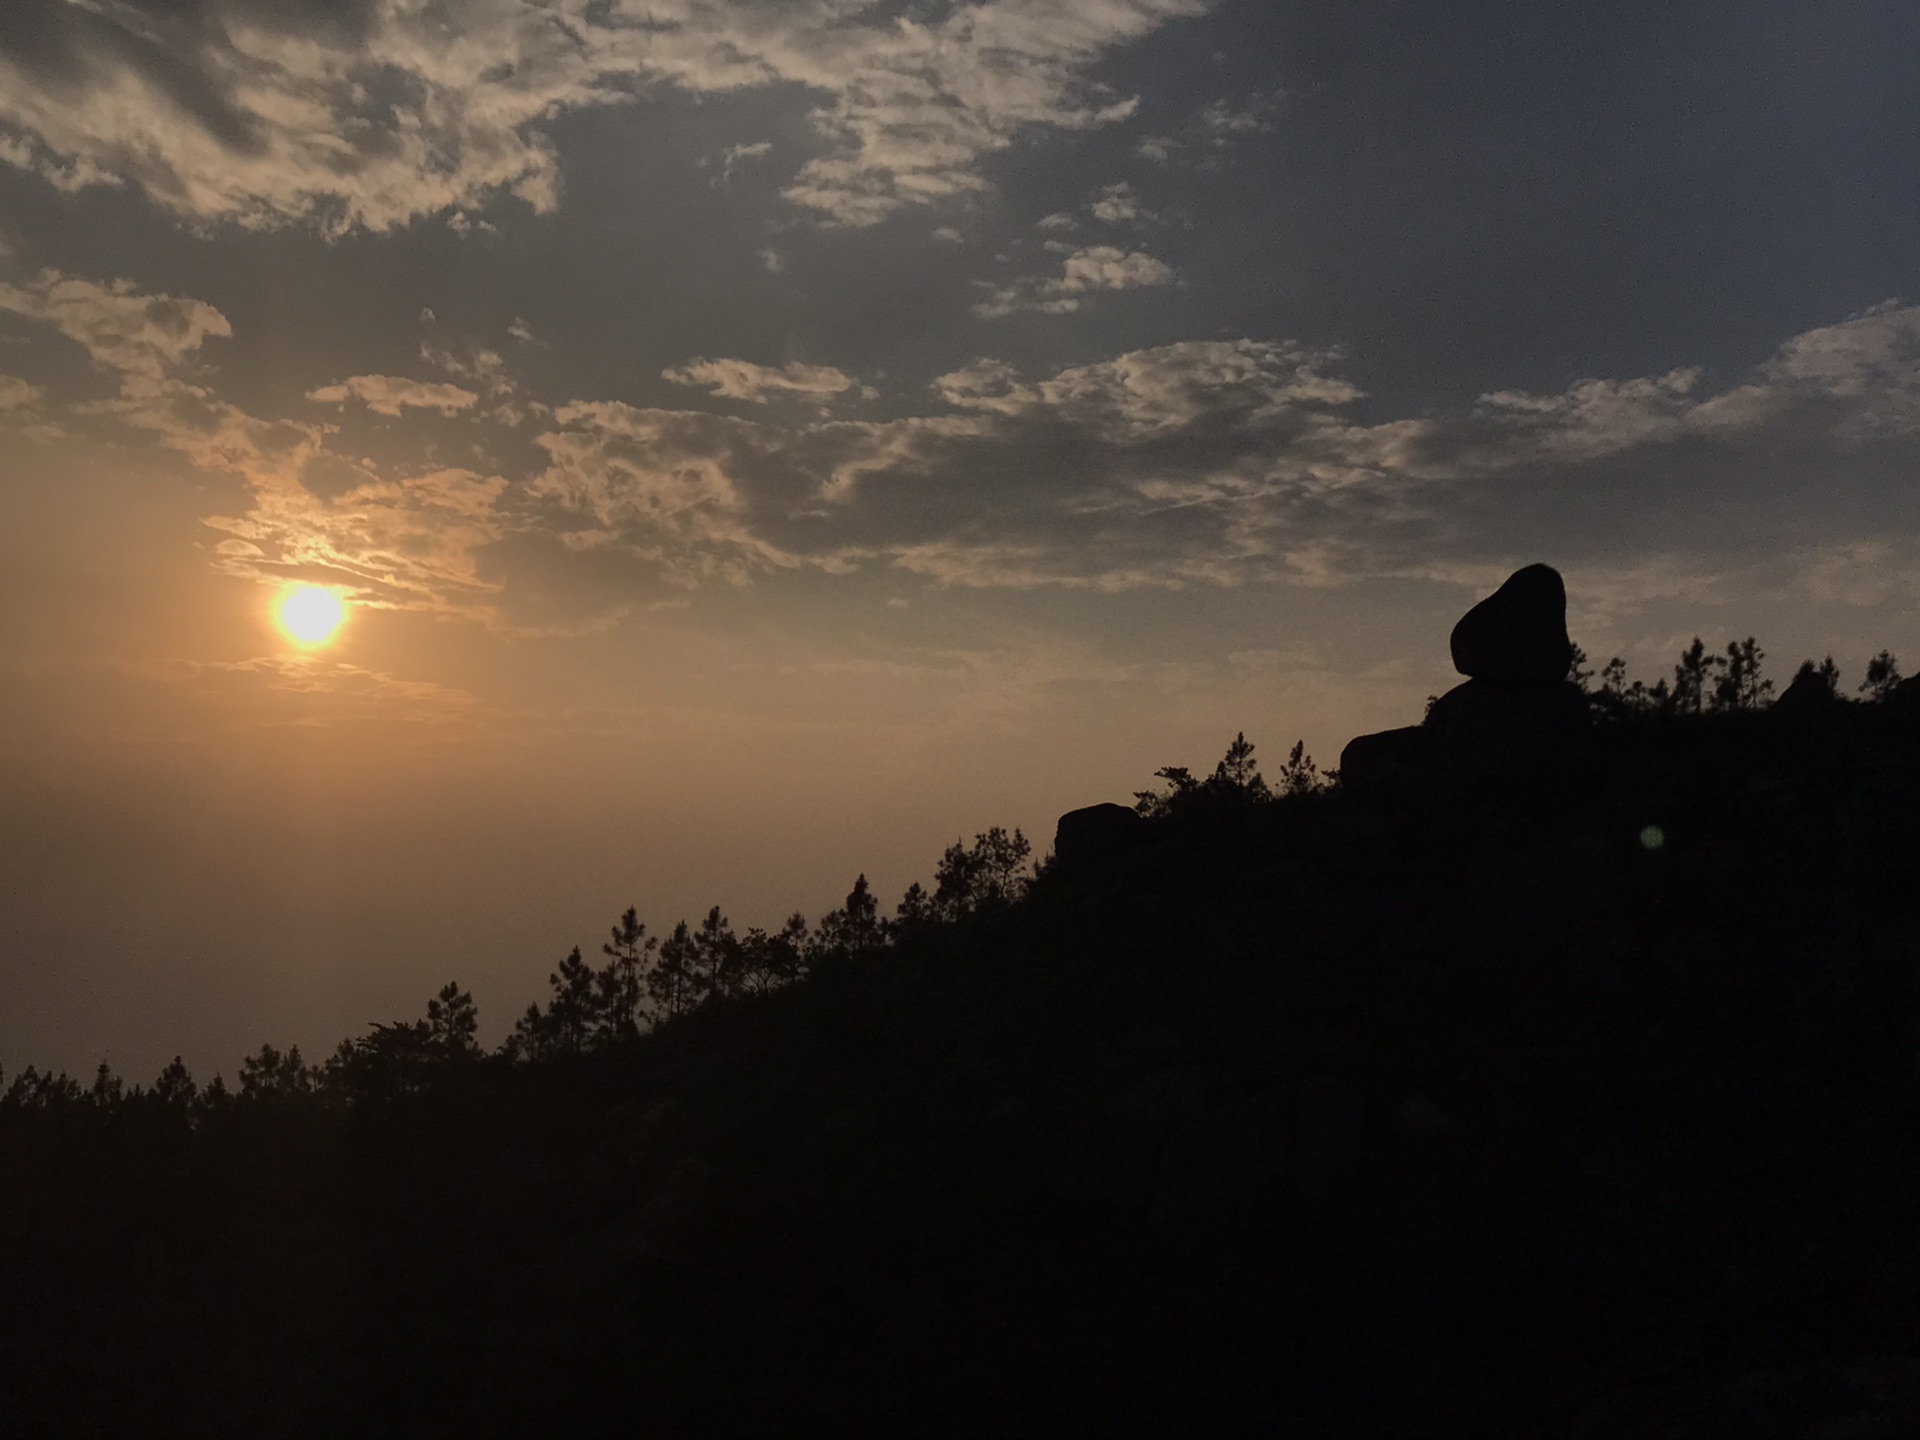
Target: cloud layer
{"points": [[373, 113], [1216, 462]]}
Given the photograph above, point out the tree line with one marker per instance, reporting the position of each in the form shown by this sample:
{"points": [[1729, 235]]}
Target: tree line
{"points": [[645, 980]]}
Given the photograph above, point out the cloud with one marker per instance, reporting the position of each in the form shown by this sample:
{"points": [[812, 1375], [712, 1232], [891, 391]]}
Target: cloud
{"points": [[1084, 272], [1217, 462], [390, 394], [669, 486], [1232, 462], [138, 335], [1119, 205], [743, 380], [1159, 149], [411, 542], [1222, 121], [22, 407], [734, 154], [484, 369], [371, 114], [1213, 128], [1167, 386], [408, 540], [17, 395]]}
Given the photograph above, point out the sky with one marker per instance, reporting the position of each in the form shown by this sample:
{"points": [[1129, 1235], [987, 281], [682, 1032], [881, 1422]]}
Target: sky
{"points": [[762, 441]]}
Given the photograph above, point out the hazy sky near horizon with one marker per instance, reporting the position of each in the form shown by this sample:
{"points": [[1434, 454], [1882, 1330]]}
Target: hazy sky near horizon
{"points": [[761, 442]]}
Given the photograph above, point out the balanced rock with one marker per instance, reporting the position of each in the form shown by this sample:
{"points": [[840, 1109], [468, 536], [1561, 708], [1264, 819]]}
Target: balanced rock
{"points": [[1518, 633], [1517, 719]]}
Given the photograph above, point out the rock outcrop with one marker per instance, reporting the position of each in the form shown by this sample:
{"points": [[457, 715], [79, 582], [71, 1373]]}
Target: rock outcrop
{"points": [[1096, 835], [1517, 717], [1385, 759], [1810, 694]]}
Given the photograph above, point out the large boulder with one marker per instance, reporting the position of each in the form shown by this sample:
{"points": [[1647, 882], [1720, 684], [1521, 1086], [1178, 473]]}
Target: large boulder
{"points": [[1487, 713], [1486, 730], [1096, 835], [1518, 634], [1809, 694], [1385, 759]]}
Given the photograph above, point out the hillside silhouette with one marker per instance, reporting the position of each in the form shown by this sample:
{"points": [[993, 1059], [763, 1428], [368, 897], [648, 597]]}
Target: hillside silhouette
{"points": [[1551, 1067]]}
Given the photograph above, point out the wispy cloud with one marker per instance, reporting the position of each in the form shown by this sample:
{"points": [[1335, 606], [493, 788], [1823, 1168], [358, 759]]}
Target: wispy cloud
{"points": [[1084, 272], [743, 380], [390, 394], [1119, 204], [373, 113], [1213, 128], [138, 335], [17, 394], [1203, 462], [665, 485]]}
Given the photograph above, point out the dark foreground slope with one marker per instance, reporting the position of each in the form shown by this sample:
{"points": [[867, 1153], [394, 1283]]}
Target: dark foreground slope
{"points": [[1452, 1107]]}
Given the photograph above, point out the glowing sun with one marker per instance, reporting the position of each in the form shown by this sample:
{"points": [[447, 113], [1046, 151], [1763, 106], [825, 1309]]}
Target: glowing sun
{"points": [[311, 613]]}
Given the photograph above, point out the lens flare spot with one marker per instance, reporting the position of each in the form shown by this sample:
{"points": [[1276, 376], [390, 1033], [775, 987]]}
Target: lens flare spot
{"points": [[310, 614], [1652, 837]]}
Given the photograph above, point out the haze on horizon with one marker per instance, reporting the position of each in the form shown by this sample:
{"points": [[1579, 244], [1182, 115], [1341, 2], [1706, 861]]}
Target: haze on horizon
{"points": [[759, 443]]}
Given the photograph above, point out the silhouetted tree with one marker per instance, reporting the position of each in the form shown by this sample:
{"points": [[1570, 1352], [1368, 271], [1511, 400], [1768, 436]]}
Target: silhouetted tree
{"points": [[1693, 678], [174, 1087], [1738, 686], [1300, 776], [853, 929], [1180, 786], [1235, 781], [107, 1087], [1826, 674], [389, 1062], [1883, 673], [717, 959], [989, 874], [622, 980], [765, 962], [674, 981], [34, 1090], [1238, 769], [915, 908], [453, 1022], [1616, 699], [272, 1074], [1577, 671], [575, 1004], [568, 1023]]}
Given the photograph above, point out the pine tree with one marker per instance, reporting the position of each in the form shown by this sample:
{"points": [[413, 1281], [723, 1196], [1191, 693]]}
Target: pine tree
{"points": [[453, 1022]]}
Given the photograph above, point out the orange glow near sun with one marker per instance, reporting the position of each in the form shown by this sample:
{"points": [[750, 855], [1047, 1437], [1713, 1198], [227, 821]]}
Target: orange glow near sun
{"points": [[310, 614]]}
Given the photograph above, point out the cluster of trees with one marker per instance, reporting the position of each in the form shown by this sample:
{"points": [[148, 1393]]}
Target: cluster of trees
{"points": [[1705, 683], [398, 1058], [1235, 781], [646, 980]]}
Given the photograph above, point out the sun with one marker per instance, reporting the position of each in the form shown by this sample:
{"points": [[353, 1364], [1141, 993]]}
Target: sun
{"points": [[311, 613]]}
